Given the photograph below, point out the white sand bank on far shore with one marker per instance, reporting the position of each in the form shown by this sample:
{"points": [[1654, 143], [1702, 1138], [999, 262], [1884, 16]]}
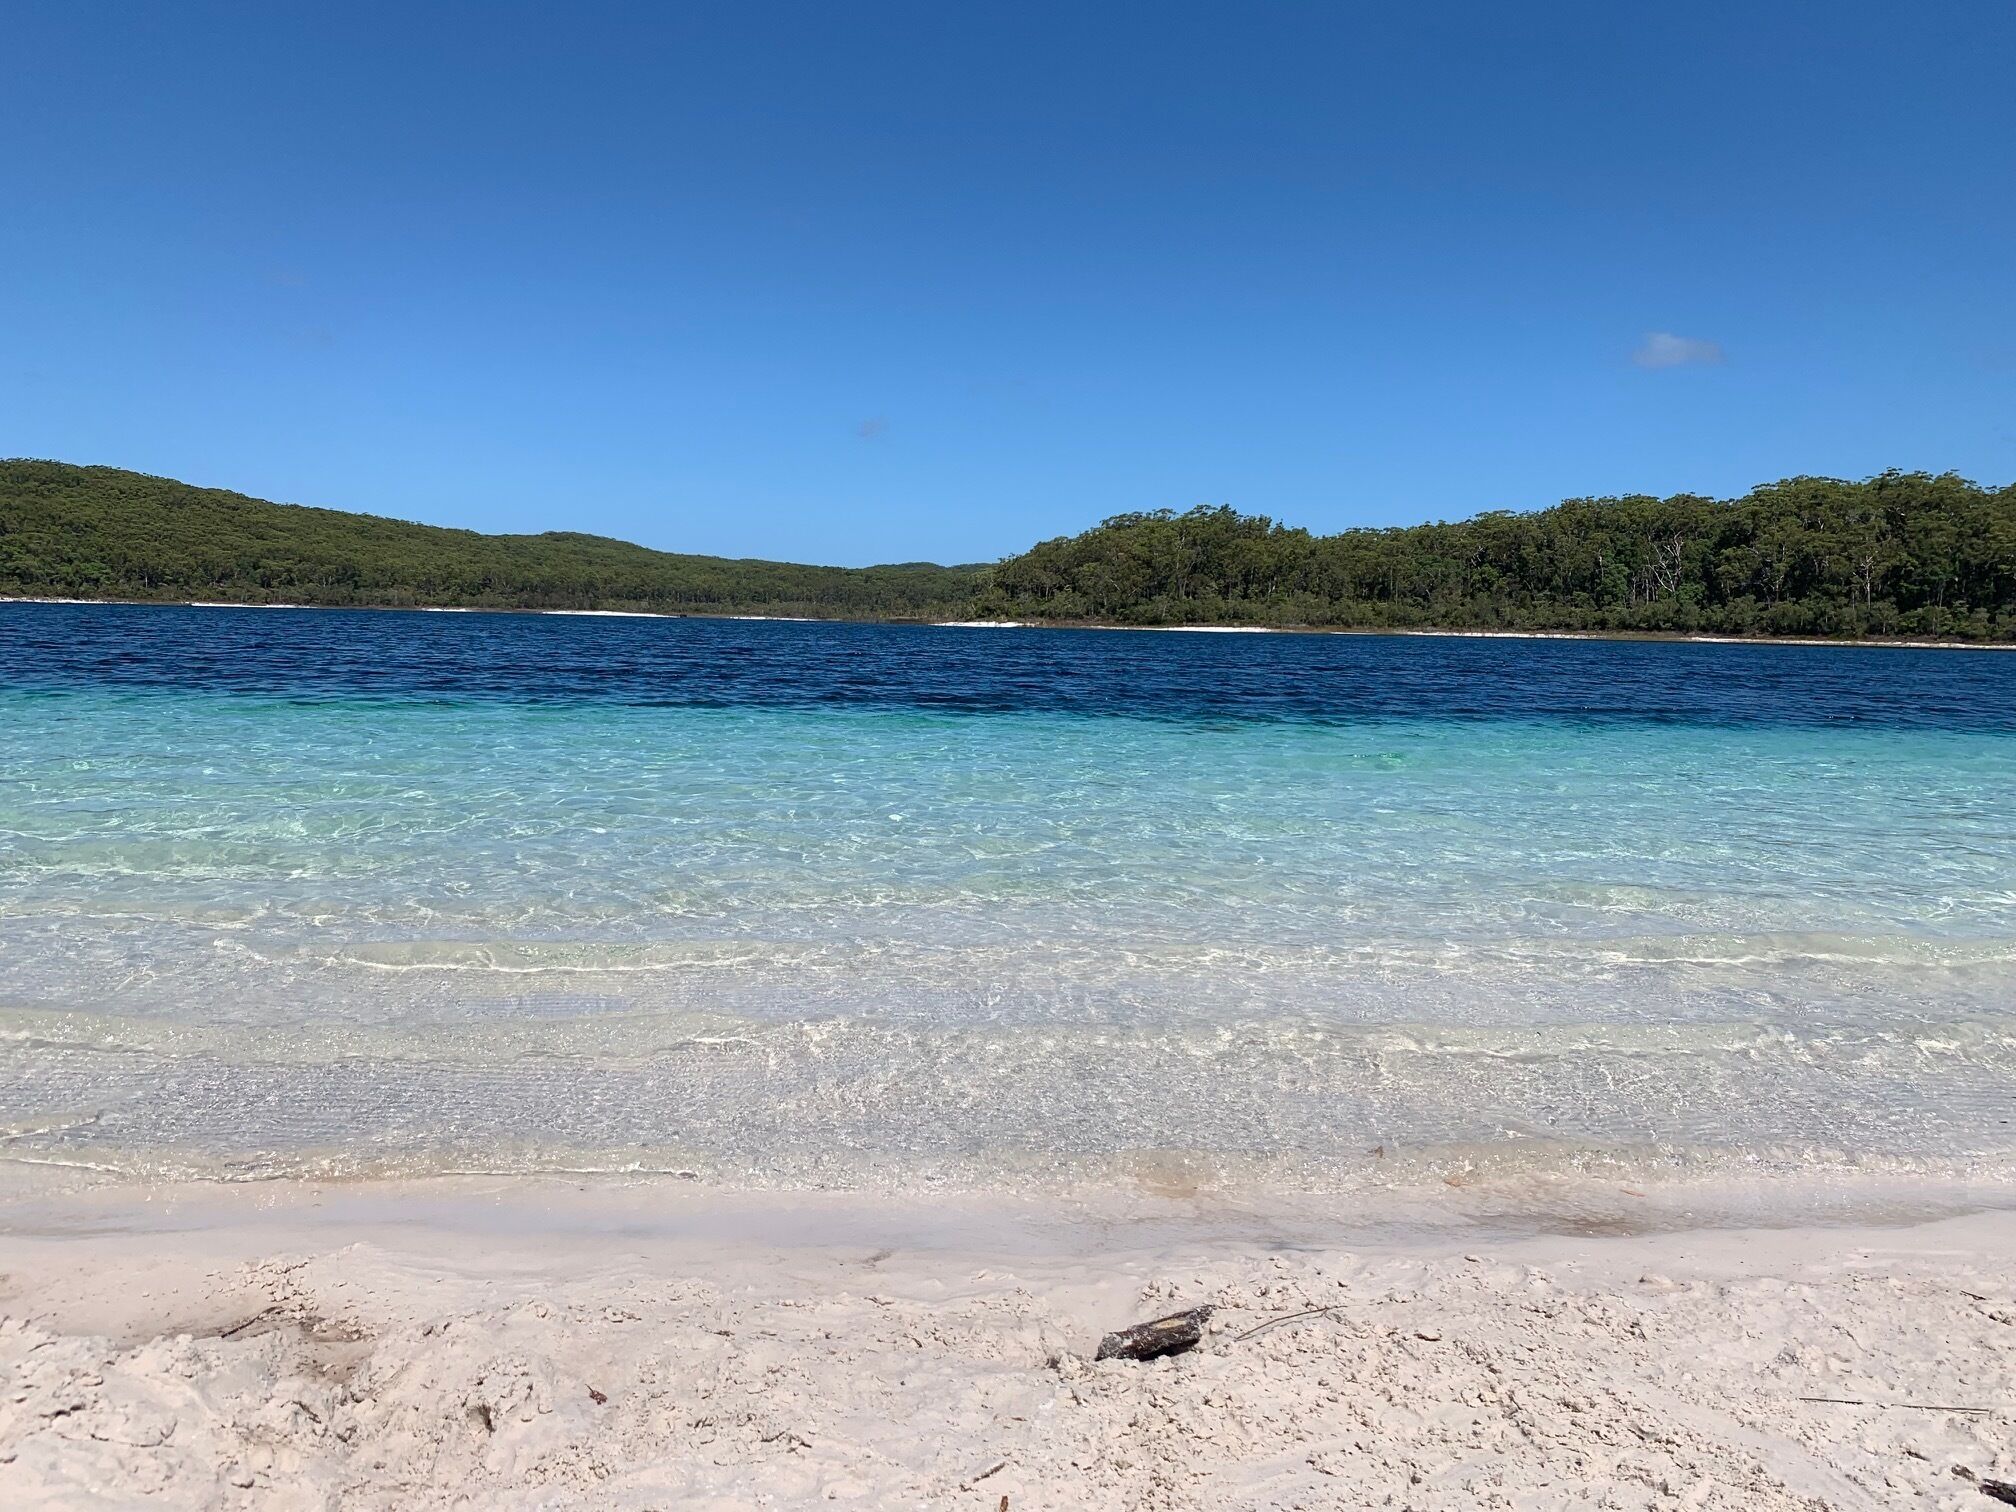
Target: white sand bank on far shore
{"points": [[511, 1345]]}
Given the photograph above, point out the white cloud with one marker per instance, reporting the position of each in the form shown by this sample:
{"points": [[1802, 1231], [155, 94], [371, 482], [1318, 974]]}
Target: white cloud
{"points": [[1662, 349]]}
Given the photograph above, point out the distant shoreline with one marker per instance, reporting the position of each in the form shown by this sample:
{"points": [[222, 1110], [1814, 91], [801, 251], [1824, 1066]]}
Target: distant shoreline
{"points": [[1904, 559], [1666, 636]]}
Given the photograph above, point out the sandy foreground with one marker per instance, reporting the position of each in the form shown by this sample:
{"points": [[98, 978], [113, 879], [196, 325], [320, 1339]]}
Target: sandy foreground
{"points": [[473, 1345]]}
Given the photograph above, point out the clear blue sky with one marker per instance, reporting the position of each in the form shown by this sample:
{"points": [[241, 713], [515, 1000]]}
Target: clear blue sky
{"points": [[856, 282]]}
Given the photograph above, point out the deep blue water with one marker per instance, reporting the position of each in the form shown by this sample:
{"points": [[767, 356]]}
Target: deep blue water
{"points": [[713, 663]]}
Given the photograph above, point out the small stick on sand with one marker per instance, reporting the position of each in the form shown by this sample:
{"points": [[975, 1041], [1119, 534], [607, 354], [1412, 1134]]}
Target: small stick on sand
{"points": [[237, 1328], [1260, 1328], [1905, 1406]]}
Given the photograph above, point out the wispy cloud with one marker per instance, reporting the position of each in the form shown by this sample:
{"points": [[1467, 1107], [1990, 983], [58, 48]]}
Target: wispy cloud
{"points": [[1662, 349], [868, 430]]}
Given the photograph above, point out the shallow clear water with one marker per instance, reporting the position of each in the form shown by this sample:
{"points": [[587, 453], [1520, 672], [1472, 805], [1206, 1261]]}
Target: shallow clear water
{"points": [[313, 891]]}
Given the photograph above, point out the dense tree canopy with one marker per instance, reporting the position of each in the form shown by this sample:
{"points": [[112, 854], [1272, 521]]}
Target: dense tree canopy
{"points": [[98, 532], [1897, 554]]}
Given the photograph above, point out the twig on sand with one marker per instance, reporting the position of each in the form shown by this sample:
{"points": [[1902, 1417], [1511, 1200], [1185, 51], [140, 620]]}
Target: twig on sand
{"points": [[1904, 1406], [260, 1316], [1260, 1328], [1285, 1317]]}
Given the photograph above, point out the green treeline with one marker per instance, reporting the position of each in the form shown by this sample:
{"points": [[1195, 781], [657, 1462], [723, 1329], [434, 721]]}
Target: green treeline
{"points": [[1899, 554], [99, 532]]}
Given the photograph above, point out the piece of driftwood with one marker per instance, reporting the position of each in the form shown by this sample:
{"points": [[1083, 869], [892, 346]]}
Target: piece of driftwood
{"points": [[2002, 1491], [1150, 1341]]}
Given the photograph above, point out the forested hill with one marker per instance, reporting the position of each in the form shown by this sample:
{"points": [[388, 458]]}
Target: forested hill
{"points": [[1899, 554], [99, 532]]}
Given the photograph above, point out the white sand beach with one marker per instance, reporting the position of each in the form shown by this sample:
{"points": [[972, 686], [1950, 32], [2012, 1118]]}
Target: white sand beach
{"points": [[499, 1345]]}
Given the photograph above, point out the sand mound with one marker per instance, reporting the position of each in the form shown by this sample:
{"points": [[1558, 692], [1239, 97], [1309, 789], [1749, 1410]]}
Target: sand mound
{"points": [[438, 1371]]}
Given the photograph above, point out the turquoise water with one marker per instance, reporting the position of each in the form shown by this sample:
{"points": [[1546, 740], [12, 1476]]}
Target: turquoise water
{"points": [[262, 917]]}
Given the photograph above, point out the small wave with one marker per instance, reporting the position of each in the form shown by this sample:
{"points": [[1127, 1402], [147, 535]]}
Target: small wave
{"points": [[1763, 959], [533, 959]]}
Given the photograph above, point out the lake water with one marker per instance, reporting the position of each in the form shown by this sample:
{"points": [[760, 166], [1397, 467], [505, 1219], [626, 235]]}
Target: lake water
{"points": [[331, 893]]}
